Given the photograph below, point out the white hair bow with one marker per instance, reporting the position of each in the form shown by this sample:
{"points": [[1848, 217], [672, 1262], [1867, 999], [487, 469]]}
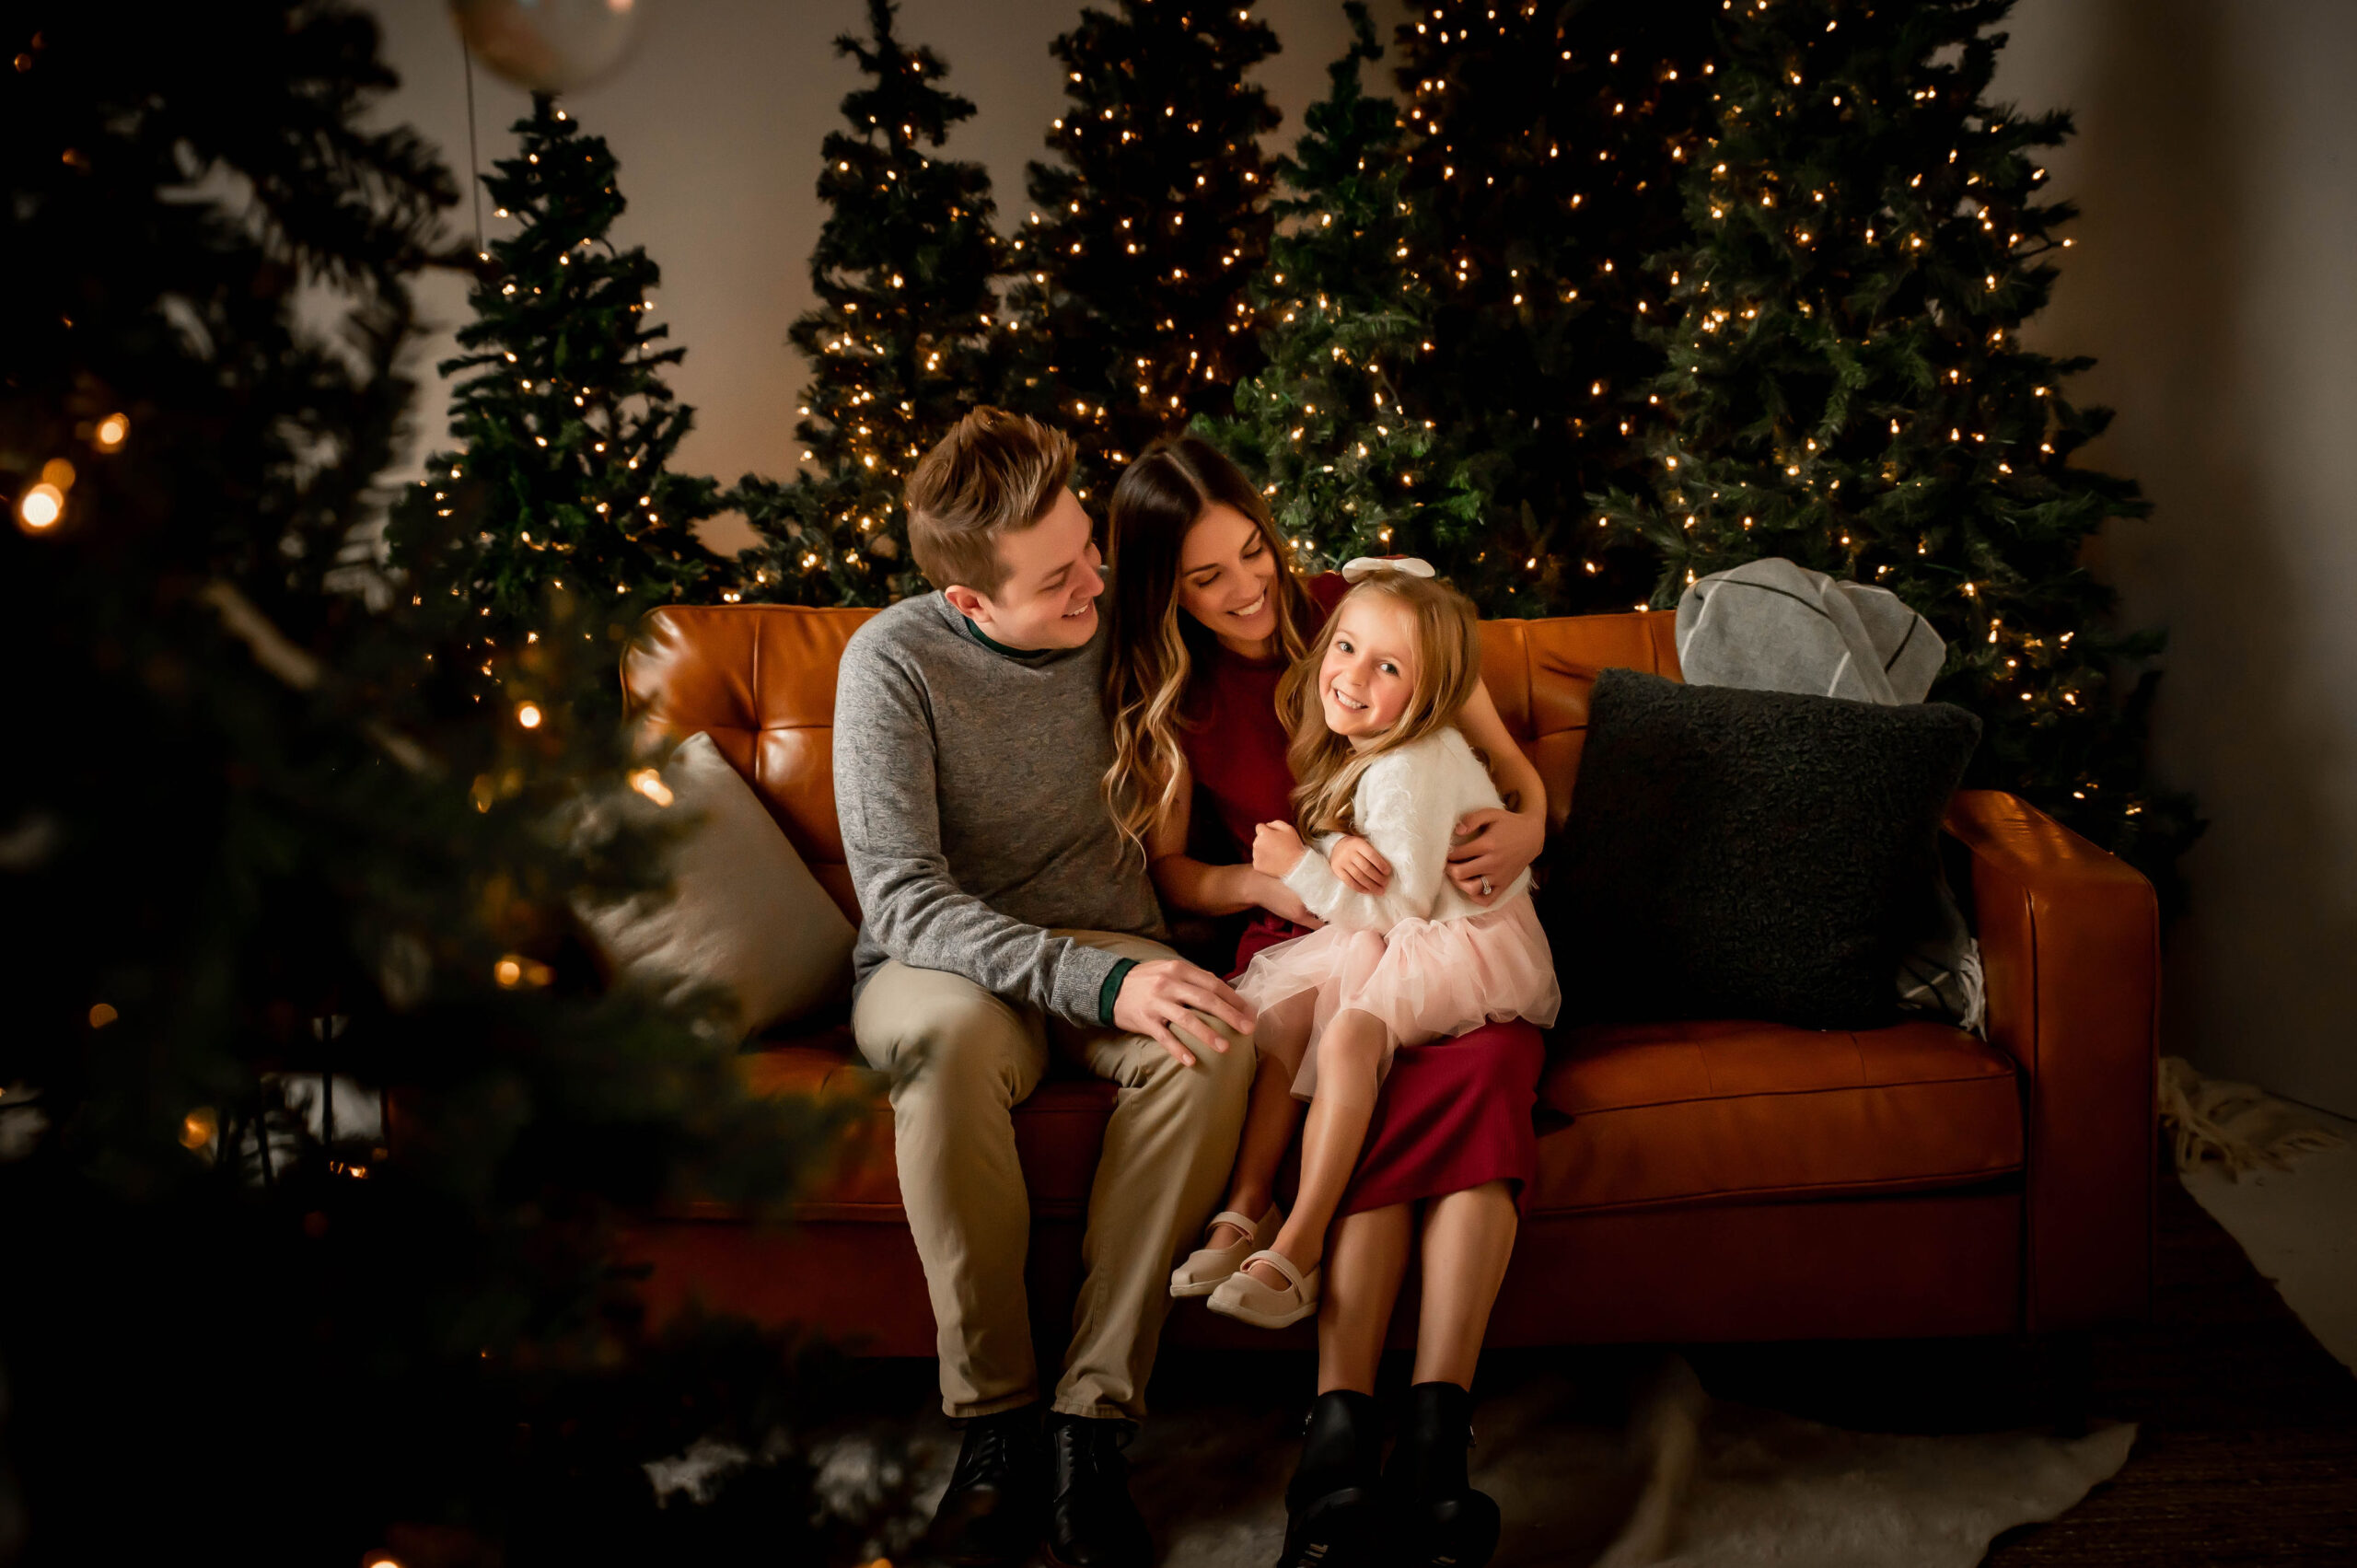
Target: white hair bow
{"points": [[1367, 566]]}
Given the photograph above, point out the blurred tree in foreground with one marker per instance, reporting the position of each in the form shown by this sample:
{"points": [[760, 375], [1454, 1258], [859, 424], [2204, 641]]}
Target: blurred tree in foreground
{"points": [[271, 840]]}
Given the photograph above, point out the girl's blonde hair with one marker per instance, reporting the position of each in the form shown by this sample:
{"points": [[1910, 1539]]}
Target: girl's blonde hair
{"points": [[1151, 644], [1326, 767]]}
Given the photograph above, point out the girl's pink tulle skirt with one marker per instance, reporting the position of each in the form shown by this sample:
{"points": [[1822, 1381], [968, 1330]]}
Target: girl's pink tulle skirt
{"points": [[1427, 980]]}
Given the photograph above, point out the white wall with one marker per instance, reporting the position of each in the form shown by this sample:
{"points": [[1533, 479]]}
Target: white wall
{"points": [[2215, 278]]}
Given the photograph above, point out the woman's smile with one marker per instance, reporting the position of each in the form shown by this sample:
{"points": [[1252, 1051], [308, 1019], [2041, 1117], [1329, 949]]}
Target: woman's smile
{"points": [[1224, 557]]}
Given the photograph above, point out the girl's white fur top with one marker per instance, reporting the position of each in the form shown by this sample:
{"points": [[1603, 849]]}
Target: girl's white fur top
{"points": [[1406, 804]]}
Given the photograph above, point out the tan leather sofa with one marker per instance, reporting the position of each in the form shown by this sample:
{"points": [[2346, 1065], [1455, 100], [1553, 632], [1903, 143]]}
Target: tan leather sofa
{"points": [[1698, 1181]]}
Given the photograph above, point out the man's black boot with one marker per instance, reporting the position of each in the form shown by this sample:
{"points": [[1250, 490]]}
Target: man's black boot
{"points": [[1440, 1520], [1333, 1513], [1092, 1523], [990, 1516]]}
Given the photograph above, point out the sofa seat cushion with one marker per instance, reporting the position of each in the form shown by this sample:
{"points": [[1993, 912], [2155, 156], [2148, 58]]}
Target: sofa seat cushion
{"points": [[1657, 1114], [1712, 1111], [1058, 1130]]}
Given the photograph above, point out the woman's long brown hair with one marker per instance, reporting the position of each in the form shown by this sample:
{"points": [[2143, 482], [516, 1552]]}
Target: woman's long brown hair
{"points": [[1153, 645], [1327, 767]]}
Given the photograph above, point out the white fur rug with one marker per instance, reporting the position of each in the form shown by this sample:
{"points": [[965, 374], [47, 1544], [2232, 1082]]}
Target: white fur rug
{"points": [[1690, 1481], [1693, 1482]]}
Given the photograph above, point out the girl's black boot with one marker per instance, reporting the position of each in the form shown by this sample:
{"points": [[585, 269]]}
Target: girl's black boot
{"points": [[1333, 1515], [1441, 1521]]}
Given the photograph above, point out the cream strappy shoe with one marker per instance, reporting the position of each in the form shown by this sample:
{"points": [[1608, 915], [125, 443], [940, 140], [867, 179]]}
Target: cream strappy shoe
{"points": [[1247, 1300], [1205, 1267]]}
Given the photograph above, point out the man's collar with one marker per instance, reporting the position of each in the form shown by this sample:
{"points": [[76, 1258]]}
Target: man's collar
{"points": [[983, 637], [994, 643]]}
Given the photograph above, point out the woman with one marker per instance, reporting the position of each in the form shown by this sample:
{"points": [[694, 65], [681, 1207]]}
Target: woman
{"points": [[1205, 615]]}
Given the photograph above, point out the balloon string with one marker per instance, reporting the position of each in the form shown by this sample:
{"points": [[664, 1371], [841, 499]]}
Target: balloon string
{"points": [[474, 158]]}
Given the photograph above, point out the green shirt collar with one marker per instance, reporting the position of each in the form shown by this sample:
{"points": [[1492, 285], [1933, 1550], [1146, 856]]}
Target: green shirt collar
{"points": [[993, 645], [1021, 656]]}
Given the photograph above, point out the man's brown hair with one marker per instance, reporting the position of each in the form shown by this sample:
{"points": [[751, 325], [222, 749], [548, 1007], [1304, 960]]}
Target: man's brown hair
{"points": [[995, 472]]}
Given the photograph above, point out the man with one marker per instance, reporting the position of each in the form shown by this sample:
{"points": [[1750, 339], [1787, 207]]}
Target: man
{"points": [[1006, 917]]}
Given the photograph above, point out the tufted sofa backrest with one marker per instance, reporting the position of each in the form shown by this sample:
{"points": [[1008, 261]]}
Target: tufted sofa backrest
{"points": [[760, 680]]}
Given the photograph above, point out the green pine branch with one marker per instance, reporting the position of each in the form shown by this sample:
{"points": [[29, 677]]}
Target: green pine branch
{"points": [[904, 342], [1845, 385], [563, 483], [1349, 470], [1129, 300], [1542, 149]]}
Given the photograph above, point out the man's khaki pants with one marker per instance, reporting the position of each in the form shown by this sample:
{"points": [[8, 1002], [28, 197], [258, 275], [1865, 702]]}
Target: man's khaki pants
{"points": [[961, 1058]]}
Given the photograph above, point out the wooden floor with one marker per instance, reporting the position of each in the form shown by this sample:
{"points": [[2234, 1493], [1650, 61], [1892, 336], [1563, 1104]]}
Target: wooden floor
{"points": [[2248, 1453]]}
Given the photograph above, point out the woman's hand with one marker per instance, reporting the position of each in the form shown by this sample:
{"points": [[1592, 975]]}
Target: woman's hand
{"points": [[1355, 862], [1276, 848], [1493, 847]]}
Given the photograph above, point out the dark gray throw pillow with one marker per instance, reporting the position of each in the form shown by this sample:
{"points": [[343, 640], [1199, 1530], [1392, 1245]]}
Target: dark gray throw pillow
{"points": [[1748, 855]]}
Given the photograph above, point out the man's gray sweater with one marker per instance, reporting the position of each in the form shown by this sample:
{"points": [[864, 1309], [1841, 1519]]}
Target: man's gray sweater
{"points": [[966, 783]]}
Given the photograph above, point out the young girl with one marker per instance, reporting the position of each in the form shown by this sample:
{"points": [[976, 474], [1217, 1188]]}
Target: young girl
{"points": [[1382, 775]]}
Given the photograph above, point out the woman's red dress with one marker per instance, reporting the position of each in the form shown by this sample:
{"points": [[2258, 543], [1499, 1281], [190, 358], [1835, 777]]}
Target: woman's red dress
{"points": [[1452, 1115]]}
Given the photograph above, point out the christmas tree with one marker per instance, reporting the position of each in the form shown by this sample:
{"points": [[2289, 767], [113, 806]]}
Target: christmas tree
{"points": [[1544, 143], [566, 427], [272, 842], [1132, 274], [1349, 470], [900, 345], [1847, 386]]}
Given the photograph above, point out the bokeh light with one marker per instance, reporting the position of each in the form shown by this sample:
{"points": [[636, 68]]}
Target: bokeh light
{"points": [[199, 1127], [40, 507]]}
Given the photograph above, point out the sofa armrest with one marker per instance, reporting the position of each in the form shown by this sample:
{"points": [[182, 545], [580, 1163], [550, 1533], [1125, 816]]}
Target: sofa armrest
{"points": [[2070, 942]]}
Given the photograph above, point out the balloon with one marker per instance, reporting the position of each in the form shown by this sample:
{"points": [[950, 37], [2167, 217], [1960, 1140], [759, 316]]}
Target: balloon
{"points": [[550, 46]]}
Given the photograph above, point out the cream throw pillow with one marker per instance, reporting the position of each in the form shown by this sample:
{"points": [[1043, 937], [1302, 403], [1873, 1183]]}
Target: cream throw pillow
{"points": [[743, 912]]}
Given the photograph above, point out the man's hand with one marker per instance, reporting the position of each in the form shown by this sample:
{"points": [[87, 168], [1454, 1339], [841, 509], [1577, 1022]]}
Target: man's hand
{"points": [[1493, 847], [1355, 862], [1158, 997], [1276, 848]]}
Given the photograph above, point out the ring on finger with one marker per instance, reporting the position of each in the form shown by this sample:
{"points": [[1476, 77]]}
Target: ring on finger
{"points": [[1485, 887]]}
